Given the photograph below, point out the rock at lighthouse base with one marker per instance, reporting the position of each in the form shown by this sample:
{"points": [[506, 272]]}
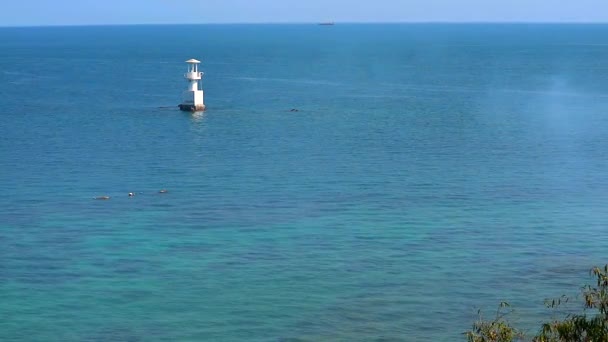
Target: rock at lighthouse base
{"points": [[192, 108]]}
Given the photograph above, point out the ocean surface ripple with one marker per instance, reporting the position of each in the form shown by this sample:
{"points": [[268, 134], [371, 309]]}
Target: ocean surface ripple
{"points": [[429, 171]]}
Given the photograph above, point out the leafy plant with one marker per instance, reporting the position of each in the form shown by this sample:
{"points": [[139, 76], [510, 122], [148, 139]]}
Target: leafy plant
{"points": [[497, 330], [589, 326], [584, 327]]}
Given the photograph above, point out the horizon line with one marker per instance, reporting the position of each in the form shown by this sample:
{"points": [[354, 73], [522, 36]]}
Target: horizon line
{"points": [[321, 22]]}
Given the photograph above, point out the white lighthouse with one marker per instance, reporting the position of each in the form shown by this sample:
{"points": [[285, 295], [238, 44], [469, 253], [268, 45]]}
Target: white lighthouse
{"points": [[193, 99]]}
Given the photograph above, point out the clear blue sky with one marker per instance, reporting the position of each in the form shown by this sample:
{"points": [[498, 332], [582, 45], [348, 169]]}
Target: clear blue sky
{"points": [[93, 12]]}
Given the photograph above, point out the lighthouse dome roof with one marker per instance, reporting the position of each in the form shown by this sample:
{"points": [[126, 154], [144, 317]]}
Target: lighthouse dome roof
{"points": [[193, 61]]}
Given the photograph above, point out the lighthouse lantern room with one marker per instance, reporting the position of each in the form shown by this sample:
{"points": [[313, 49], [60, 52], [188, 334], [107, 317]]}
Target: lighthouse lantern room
{"points": [[193, 99]]}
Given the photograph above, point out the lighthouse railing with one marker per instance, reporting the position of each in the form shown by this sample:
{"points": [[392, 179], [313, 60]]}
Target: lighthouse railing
{"points": [[193, 75]]}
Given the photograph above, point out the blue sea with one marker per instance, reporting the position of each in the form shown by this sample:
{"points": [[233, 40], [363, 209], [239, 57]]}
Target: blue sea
{"points": [[429, 171]]}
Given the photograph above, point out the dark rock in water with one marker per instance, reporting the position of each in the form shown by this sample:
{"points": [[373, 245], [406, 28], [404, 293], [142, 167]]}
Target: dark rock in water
{"points": [[294, 110], [192, 108]]}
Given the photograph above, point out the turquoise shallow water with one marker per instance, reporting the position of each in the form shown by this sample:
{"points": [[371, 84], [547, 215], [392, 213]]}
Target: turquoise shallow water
{"points": [[431, 170]]}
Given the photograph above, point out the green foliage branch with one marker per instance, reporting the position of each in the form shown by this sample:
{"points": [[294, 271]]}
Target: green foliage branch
{"points": [[589, 326]]}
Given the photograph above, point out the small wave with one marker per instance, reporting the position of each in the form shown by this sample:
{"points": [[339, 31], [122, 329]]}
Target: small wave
{"points": [[18, 73], [288, 80], [454, 89], [553, 93]]}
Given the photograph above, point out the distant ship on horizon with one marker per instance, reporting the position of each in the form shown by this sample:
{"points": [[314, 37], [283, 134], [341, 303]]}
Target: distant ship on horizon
{"points": [[327, 23]]}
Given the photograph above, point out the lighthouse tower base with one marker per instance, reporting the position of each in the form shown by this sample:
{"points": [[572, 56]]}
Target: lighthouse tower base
{"points": [[192, 108], [193, 101]]}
